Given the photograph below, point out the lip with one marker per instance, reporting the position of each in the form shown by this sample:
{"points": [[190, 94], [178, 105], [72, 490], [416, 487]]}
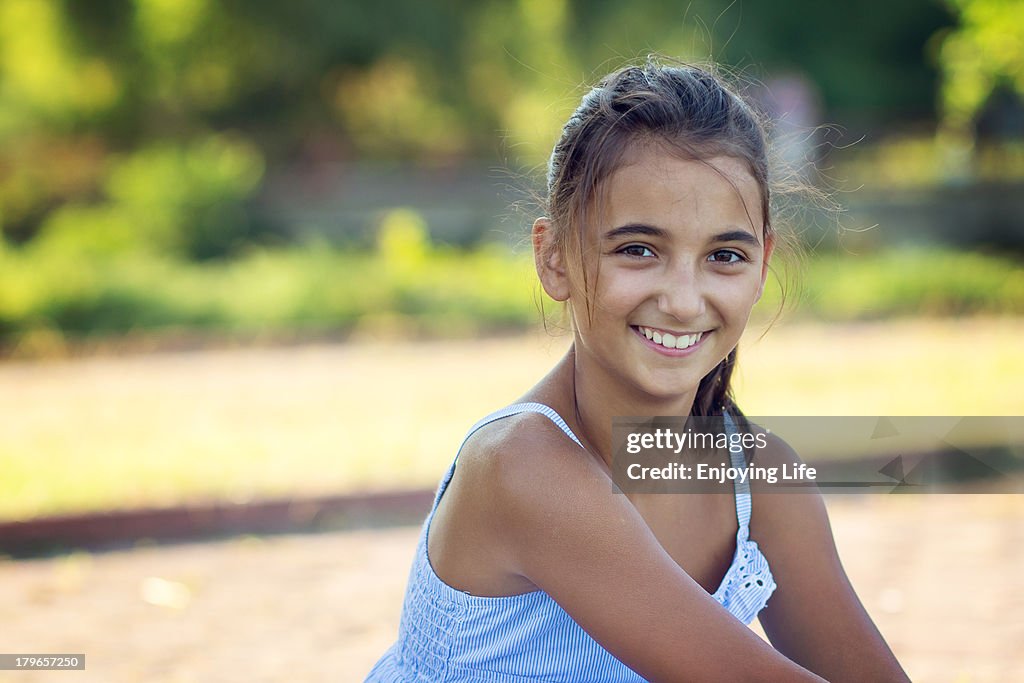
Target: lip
{"points": [[672, 353]]}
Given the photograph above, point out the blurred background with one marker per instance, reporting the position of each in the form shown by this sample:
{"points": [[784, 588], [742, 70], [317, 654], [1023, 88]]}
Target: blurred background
{"points": [[262, 250], [199, 167]]}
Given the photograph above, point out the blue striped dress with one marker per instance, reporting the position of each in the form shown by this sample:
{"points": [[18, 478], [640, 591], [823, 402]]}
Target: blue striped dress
{"points": [[448, 636]]}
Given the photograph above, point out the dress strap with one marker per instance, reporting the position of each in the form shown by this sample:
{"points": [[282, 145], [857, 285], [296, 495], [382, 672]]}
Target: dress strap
{"points": [[516, 409], [509, 411], [740, 488]]}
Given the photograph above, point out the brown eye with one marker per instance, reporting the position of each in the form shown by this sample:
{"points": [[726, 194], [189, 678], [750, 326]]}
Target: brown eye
{"points": [[726, 256], [637, 250]]}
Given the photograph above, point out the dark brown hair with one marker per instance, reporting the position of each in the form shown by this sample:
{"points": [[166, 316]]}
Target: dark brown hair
{"points": [[688, 110]]}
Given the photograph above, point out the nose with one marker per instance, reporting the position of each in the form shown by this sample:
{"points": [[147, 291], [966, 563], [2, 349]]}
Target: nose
{"points": [[682, 294]]}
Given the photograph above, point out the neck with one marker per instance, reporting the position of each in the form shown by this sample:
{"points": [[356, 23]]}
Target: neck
{"points": [[599, 397]]}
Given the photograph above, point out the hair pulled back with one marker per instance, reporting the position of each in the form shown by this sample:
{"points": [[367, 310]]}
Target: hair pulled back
{"points": [[685, 109]]}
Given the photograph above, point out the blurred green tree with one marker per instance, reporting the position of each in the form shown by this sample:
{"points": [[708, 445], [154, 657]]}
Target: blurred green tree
{"points": [[984, 52], [151, 121]]}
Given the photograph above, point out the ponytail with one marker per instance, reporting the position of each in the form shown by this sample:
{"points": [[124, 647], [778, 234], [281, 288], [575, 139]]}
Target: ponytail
{"points": [[714, 394]]}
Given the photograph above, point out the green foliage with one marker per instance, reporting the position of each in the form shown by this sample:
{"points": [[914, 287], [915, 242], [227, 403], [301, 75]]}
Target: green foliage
{"points": [[142, 84], [435, 290], [169, 199], [45, 77], [408, 286], [869, 59], [983, 52], [904, 282], [402, 239]]}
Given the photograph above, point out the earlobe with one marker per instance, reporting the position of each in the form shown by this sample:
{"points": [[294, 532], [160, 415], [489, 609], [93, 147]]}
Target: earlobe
{"points": [[548, 259]]}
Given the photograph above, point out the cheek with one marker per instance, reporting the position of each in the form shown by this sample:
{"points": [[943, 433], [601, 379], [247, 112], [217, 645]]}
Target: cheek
{"points": [[624, 294], [621, 291], [737, 298]]}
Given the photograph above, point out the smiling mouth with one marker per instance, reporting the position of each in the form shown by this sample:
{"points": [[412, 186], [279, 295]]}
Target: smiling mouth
{"points": [[670, 340]]}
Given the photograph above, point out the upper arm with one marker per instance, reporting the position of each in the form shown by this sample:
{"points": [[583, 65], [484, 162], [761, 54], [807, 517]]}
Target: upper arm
{"points": [[814, 617], [590, 550]]}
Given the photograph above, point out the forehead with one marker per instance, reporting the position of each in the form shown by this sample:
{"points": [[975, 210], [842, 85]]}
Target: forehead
{"points": [[656, 187]]}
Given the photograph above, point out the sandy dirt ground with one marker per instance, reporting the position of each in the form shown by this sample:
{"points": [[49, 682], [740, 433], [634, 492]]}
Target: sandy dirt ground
{"points": [[244, 424], [943, 577]]}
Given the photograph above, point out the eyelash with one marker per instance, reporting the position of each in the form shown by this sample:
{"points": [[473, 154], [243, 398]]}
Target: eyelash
{"points": [[625, 250], [739, 258]]}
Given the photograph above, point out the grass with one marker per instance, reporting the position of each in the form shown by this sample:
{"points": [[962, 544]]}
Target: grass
{"points": [[114, 432]]}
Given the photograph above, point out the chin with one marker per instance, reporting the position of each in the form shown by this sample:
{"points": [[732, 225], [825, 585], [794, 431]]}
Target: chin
{"points": [[665, 390]]}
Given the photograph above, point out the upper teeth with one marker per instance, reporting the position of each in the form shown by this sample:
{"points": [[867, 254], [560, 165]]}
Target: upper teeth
{"points": [[671, 341]]}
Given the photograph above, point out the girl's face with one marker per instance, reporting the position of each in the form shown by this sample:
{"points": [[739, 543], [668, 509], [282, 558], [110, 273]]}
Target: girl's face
{"points": [[682, 260]]}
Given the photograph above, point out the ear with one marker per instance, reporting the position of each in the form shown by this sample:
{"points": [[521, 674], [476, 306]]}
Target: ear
{"points": [[548, 259], [769, 247]]}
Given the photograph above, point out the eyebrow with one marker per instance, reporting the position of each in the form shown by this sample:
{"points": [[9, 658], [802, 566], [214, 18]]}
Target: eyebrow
{"points": [[737, 236], [634, 229], [642, 229]]}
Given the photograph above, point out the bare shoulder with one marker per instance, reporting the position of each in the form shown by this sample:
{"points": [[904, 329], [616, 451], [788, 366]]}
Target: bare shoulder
{"points": [[776, 452], [781, 517], [513, 476], [524, 469], [547, 501], [525, 434], [514, 455]]}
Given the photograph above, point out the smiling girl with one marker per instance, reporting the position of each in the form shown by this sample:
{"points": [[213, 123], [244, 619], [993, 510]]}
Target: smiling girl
{"points": [[658, 234]]}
